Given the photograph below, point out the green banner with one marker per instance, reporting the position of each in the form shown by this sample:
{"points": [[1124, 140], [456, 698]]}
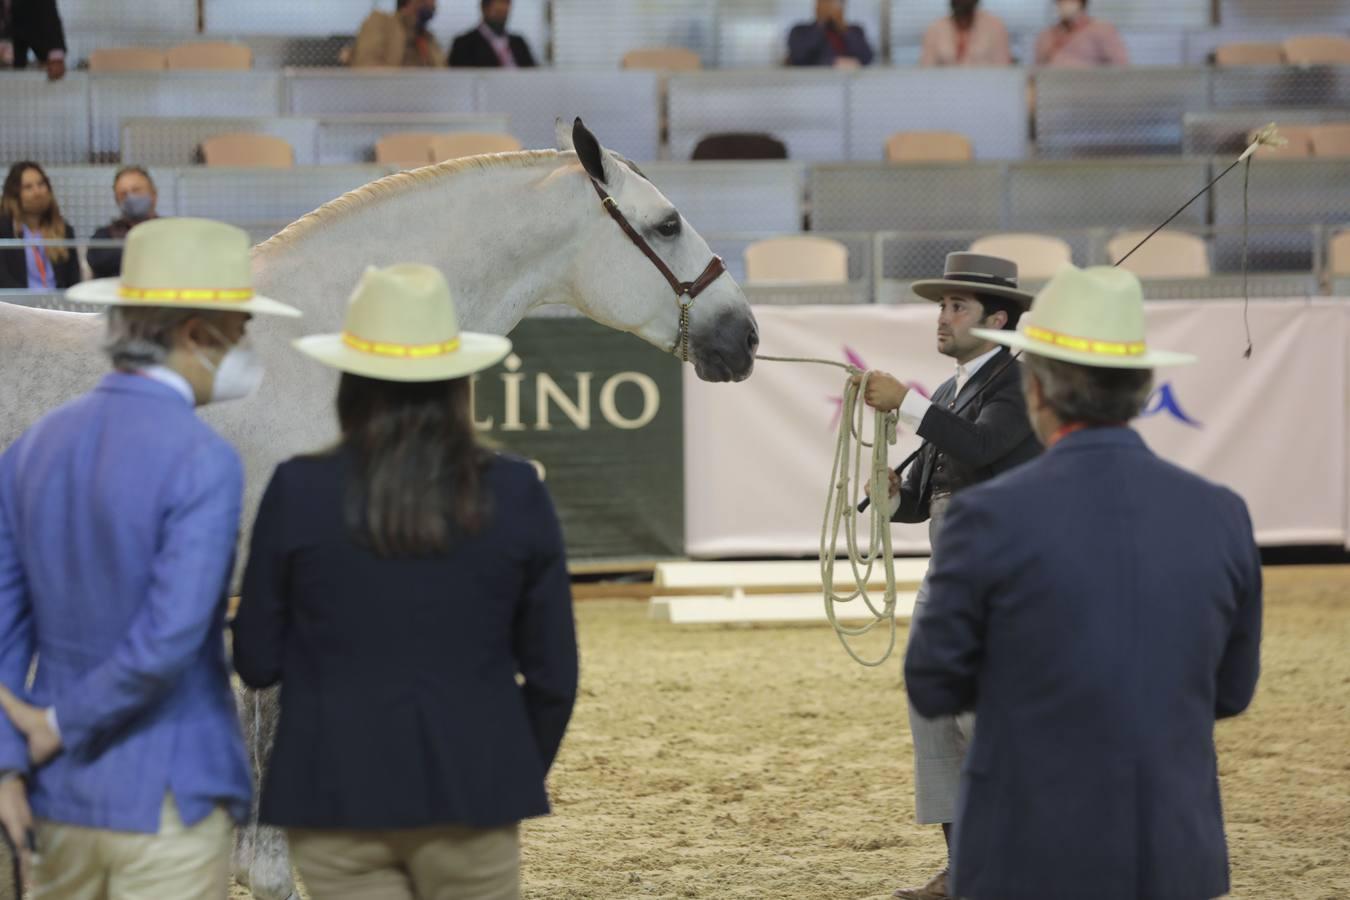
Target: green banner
{"points": [[602, 414]]}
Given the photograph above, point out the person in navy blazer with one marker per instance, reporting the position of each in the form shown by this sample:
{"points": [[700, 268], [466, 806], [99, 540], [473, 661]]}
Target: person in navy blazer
{"points": [[119, 514], [409, 590], [1099, 608]]}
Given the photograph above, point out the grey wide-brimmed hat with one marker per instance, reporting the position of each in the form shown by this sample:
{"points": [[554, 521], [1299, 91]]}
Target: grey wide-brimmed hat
{"points": [[975, 273]]}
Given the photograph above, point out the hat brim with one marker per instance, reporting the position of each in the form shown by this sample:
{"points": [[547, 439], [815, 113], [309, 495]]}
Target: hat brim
{"points": [[936, 288], [1151, 359], [103, 292], [476, 352]]}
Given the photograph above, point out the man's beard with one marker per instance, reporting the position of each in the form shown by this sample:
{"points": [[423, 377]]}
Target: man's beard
{"points": [[497, 26]]}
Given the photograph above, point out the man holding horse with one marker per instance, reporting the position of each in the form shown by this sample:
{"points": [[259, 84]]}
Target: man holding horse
{"points": [[974, 427]]}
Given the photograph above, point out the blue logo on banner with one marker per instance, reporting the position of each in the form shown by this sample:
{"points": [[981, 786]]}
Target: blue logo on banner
{"points": [[1164, 400]]}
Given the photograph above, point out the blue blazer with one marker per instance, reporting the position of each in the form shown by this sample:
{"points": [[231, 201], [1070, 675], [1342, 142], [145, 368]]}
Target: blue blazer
{"points": [[400, 702], [119, 514], [1098, 608]]}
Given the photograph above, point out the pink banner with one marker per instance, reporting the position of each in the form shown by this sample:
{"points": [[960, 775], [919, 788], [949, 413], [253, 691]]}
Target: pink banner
{"points": [[1273, 427]]}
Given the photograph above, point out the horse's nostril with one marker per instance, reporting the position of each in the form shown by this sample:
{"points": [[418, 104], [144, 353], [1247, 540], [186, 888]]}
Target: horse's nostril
{"points": [[752, 340]]}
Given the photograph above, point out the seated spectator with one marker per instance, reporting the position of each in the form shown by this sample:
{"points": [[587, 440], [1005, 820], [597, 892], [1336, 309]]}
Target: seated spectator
{"points": [[1078, 40], [968, 37], [399, 38], [32, 25], [489, 45], [829, 40], [29, 211], [136, 196]]}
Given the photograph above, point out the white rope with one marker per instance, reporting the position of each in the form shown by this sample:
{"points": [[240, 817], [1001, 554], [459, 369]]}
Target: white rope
{"points": [[843, 495]]}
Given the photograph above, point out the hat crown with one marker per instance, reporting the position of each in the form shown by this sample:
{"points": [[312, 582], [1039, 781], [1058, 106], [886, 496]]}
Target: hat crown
{"points": [[181, 254], [403, 305], [1100, 303], [963, 263]]}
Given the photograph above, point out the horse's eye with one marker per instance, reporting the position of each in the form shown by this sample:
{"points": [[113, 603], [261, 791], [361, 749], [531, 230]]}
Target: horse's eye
{"points": [[669, 228]]}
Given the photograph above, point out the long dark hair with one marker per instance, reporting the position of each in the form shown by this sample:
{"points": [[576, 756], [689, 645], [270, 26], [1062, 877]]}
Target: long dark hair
{"points": [[417, 483], [51, 225]]}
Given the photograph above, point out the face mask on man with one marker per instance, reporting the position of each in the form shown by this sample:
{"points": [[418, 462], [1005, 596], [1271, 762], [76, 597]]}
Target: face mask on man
{"points": [[137, 206], [239, 372], [1069, 10]]}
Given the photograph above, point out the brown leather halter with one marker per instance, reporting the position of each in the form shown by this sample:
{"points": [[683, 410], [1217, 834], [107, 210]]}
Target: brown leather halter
{"points": [[690, 289]]}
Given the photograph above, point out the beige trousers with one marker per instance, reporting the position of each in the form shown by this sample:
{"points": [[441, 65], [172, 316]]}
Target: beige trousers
{"points": [[444, 863], [185, 863]]}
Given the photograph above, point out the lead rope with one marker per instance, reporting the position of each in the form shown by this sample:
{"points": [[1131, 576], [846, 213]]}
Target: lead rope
{"points": [[846, 474]]}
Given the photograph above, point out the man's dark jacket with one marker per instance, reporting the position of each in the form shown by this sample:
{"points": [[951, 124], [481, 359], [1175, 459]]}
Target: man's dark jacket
{"points": [[967, 440]]}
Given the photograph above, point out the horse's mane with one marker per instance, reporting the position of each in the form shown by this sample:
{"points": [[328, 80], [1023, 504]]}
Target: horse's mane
{"points": [[399, 183]]}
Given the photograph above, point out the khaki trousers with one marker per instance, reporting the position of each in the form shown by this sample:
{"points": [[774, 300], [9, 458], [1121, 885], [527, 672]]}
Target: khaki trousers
{"points": [[185, 863], [444, 863]]}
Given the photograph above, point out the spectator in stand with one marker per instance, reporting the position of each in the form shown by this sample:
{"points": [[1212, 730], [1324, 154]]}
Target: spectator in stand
{"points": [[399, 38], [829, 40], [489, 45], [32, 25], [1079, 41], [136, 196], [968, 37], [28, 210]]}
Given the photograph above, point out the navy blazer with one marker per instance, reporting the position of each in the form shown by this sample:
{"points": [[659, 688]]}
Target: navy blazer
{"points": [[400, 705], [1098, 608]]}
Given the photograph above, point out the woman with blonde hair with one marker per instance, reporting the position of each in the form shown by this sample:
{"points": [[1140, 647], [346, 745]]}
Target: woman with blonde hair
{"points": [[28, 210]]}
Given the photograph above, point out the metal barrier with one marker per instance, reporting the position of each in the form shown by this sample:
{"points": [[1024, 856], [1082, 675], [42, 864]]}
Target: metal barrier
{"points": [[333, 140], [877, 197], [622, 109], [805, 109], [364, 91], [1213, 133], [1083, 193], [988, 106], [273, 194], [883, 266], [44, 120], [901, 258], [117, 96], [760, 198], [822, 115]]}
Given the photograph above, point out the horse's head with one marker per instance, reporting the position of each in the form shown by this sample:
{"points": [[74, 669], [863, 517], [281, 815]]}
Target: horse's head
{"points": [[636, 256]]}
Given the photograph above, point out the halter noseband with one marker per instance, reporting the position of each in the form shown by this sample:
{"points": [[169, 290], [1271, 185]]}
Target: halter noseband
{"points": [[690, 289]]}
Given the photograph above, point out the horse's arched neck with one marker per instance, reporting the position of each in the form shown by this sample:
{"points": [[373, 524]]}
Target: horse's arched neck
{"points": [[503, 237]]}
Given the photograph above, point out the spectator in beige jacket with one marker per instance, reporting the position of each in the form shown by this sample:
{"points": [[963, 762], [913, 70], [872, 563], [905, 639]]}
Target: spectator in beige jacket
{"points": [[399, 38]]}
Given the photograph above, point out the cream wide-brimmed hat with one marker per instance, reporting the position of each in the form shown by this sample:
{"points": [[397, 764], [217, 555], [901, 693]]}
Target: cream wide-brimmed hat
{"points": [[186, 263], [401, 326], [1092, 317]]}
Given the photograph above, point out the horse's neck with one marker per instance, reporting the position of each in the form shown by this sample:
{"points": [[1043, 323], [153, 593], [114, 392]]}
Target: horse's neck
{"points": [[500, 236]]}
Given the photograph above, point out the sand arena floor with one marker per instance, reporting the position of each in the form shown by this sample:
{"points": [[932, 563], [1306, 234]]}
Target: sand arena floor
{"points": [[716, 762]]}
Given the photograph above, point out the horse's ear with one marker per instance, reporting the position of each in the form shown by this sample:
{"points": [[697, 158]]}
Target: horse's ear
{"points": [[562, 134], [588, 151]]}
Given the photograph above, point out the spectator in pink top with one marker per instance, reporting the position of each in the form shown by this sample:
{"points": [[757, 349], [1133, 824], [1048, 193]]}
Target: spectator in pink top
{"points": [[968, 37], [1079, 40]]}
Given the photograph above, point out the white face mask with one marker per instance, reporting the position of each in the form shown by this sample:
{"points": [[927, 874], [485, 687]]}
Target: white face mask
{"points": [[237, 375], [1069, 10]]}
